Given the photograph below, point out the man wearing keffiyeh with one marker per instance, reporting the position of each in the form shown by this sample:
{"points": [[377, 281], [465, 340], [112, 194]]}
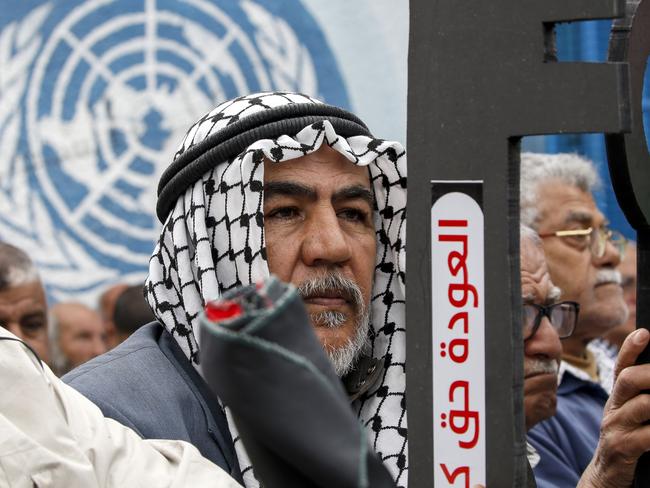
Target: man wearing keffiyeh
{"points": [[270, 183]]}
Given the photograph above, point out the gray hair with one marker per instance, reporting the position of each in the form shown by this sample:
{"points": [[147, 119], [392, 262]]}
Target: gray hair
{"points": [[526, 232], [537, 168], [15, 267]]}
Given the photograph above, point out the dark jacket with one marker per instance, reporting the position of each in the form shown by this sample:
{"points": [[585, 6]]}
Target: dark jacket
{"points": [[567, 441], [148, 384]]}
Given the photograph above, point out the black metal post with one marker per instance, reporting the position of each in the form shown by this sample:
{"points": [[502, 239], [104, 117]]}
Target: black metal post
{"points": [[481, 74], [629, 165]]}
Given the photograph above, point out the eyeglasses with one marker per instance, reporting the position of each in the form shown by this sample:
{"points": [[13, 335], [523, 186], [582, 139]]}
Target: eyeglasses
{"points": [[562, 315], [596, 238]]}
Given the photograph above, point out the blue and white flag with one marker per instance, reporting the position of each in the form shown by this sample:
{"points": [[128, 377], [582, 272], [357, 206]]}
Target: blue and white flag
{"points": [[96, 95]]}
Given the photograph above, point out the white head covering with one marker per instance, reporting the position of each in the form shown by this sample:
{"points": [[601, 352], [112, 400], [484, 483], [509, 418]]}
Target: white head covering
{"points": [[213, 240]]}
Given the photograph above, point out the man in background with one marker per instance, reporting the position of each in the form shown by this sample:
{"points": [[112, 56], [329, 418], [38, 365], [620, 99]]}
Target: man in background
{"points": [[582, 255], [544, 320], [76, 335], [623, 436], [131, 312], [23, 306]]}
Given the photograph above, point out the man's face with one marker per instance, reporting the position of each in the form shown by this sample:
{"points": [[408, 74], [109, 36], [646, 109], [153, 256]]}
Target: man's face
{"points": [[23, 311], [542, 351], [81, 334], [588, 280], [318, 221]]}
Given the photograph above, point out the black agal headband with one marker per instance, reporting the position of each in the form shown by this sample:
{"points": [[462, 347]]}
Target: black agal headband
{"points": [[231, 140]]}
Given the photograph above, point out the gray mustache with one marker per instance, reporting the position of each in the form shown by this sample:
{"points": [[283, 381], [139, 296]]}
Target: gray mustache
{"points": [[537, 366], [332, 283], [608, 275]]}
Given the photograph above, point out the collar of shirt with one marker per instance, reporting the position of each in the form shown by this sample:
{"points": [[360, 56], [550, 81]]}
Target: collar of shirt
{"points": [[604, 366], [532, 455]]}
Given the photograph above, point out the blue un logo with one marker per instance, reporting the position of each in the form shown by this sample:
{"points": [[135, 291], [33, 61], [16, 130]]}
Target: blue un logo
{"points": [[96, 96]]}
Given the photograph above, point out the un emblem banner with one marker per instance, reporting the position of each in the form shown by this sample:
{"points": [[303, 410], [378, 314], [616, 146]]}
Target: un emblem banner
{"points": [[94, 98]]}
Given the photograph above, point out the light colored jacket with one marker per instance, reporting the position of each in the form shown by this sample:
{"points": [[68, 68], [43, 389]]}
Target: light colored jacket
{"points": [[52, 436]]}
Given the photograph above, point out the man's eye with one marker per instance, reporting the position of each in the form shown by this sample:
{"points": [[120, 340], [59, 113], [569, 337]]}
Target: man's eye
{"points": [[579, 241], [283, 213], [354, 214], [32, 325]]}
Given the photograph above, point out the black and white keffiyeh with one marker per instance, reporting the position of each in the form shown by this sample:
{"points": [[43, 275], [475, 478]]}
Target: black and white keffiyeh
{"points": [[213, 235]]}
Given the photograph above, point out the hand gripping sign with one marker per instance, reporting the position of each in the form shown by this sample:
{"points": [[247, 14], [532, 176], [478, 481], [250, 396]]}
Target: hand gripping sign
{"points": [[481, 75], [629, 164]]}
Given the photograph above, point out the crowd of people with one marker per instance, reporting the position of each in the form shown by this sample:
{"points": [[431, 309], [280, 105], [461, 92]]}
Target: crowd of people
{"points": [[320, 203], [64, 334]]}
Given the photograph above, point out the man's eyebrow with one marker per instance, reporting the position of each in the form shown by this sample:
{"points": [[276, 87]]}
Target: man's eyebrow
{"points": [[528, 298], [552, 297], [35, 313], [288, 188], [354, 192], [584, 218]]}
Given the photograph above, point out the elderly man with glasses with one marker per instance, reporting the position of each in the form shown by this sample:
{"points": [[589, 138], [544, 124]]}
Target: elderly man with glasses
{"points": [[582, 255], [545, 320], [624, 436]]}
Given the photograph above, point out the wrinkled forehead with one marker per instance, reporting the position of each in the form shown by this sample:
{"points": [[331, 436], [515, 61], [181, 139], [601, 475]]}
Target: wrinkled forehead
{"points": [[564, 206], [323, 171], [29, 295], [536, 284]]}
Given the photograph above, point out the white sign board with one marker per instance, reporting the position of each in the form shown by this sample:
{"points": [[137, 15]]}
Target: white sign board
{"points": [[458, 322]]}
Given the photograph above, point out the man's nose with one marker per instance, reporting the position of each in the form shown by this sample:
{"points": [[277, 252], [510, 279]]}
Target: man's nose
{"points": [[545, 342], [611, 258], [324, 240]]}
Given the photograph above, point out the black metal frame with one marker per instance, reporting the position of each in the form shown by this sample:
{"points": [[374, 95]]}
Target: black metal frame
{"points": [[481, 75], [629, 165]]}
